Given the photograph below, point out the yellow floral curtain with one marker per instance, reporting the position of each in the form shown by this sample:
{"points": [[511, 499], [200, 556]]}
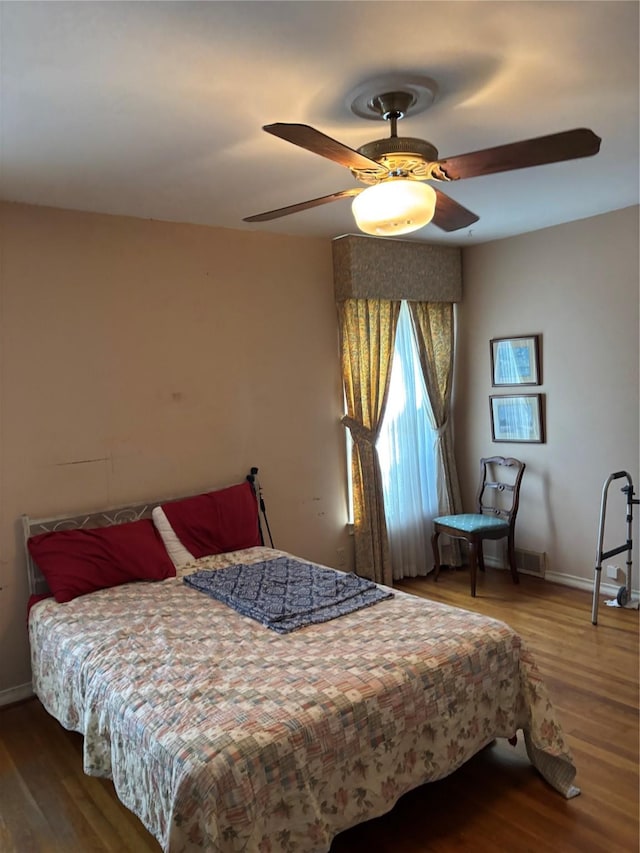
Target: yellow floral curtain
{"points": [[367, 339], [434, 326]]}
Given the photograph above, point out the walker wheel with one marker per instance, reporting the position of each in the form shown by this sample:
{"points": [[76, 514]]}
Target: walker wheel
{"points": [[623, 596]]}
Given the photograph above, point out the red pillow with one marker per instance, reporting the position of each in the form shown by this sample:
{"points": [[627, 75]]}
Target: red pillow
{"points": [[75, 562], [216, 522]]}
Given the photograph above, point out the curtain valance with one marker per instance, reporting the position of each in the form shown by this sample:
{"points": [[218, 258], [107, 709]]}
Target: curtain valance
{"points": [[375, 268]]}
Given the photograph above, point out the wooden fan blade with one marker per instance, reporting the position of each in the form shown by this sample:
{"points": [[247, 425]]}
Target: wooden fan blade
{"points": [[318, 143], [303, 205], [568, 145], [451, 216]]}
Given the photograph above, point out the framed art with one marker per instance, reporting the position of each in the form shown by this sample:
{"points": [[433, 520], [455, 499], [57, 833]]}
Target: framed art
{"points": [[517, 417], [515, 361]]}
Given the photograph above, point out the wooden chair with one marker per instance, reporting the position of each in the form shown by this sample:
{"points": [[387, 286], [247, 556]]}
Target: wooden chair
{"points": [[495, 517]]}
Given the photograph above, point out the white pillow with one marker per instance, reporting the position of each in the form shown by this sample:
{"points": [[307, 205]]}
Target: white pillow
{"points": [[175, 549]]}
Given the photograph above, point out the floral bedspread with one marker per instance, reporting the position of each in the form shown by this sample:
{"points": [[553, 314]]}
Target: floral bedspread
{"points": [[222, 735]]}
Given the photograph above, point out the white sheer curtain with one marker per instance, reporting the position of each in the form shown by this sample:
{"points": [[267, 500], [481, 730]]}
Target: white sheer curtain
{"points": [[406, 452]]}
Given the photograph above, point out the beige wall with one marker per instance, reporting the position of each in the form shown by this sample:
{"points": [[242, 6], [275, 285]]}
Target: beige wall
{"points": [[143, 359], [576, 285]]}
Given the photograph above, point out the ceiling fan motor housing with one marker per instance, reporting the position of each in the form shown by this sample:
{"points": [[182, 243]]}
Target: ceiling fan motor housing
{"points": [[400, 155]]}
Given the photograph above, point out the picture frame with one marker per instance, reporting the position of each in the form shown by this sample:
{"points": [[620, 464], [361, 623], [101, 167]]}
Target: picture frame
{"points": [[517, 418], [515, 361]]}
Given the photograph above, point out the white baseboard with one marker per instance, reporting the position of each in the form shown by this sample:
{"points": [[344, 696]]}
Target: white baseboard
{"points": [[608, 589], [16, 694]]}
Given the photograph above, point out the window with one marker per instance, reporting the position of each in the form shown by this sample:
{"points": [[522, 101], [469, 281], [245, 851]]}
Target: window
{"points": [[406, 450], [409, 447]]}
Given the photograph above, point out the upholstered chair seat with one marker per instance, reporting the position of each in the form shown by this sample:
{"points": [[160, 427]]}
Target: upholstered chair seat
{"points": [[472, 522]]}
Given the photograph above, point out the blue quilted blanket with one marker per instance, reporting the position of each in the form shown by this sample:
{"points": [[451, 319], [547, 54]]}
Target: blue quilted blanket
{"points": [[285, 594]]}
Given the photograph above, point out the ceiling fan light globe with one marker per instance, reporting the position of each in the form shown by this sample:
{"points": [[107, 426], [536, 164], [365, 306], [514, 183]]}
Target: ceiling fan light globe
{"points": [[393, 207]]}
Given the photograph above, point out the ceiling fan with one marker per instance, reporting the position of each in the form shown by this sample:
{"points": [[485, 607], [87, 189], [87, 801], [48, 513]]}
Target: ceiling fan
{"points": [[397, 200]]}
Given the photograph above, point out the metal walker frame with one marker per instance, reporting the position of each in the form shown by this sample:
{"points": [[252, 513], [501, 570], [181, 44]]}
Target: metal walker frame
{"points": [[624, 596]]}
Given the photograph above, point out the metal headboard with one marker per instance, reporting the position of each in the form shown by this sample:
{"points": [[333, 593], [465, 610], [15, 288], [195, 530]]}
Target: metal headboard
{"points": [[100, 518]]}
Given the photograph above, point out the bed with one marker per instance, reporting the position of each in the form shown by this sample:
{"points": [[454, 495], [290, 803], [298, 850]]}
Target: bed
{"points": [[224, 735]]}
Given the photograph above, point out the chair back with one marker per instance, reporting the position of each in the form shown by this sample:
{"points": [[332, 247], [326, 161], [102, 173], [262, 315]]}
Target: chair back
{"points": [[499, 489]]}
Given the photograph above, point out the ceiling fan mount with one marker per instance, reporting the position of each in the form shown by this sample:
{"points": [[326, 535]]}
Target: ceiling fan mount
{"points": [[410, 93], [392, 105]]}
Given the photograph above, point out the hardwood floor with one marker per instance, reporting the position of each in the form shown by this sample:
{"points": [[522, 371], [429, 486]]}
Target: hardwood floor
{"points": [[496, 802]]}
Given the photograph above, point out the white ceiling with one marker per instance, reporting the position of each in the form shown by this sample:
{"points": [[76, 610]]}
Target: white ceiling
{"points": [[155, 109]]}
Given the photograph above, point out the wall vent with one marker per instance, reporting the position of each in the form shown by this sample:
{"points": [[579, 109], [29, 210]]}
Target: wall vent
{"points": [[531, 562]]}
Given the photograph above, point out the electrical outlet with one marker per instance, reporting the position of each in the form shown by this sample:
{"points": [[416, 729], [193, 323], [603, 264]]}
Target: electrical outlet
{"points": [[612, 572]]}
